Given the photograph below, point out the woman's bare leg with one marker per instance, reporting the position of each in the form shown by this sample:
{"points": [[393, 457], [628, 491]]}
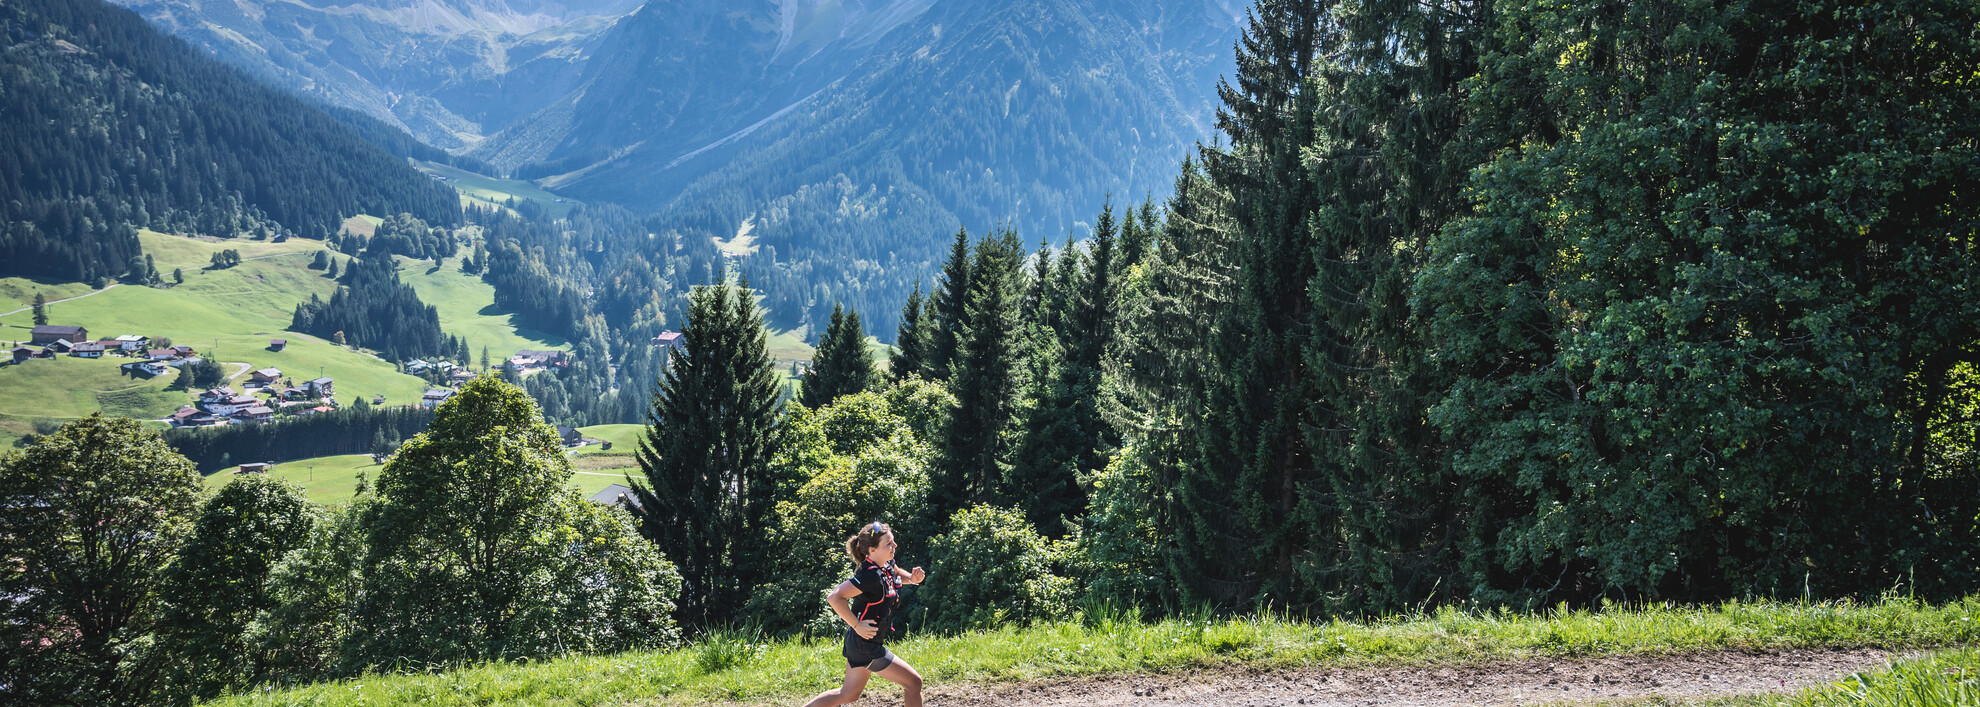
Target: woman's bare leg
{"points": [[855, 683], [904, 675]]}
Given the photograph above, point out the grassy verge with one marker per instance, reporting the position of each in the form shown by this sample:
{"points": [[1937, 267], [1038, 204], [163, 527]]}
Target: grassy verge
{"points": [[330, 481], [467, 309], [728, 670]]}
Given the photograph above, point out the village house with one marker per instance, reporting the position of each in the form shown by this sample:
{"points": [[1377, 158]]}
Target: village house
{"points": [[147, 369], [87, 350], [460, 375], [132, 343], [528, 359], [255, 413], [320, 409], [417, 366], [182, 350], [253, 468], [320, 388], [433, 398], [570, 436], [216, 394], [277, 344], [183, 362], [672, 339], [22, 354], [161, 354], [616, 494], [265, 376], [112, 346], [60, 346], [51, 333], [184, 414]]}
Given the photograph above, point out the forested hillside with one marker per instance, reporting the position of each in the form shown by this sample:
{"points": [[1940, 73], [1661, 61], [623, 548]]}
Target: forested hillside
{"points": [[111, 125]]}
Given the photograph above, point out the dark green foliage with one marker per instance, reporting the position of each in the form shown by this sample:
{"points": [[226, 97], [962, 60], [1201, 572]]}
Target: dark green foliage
{"points": [[179, 276], [1064, 438], [225, 259], [842, 364], [992, 568], [200, 375], [374, 310], [321, 261], [1704, 334], [910, 340], [948, 311], [92, 514], [218, 582], [349, 430], [976, 447], [411, 237], [709, 485], [476, 550], [179, 143], [40, 309]]}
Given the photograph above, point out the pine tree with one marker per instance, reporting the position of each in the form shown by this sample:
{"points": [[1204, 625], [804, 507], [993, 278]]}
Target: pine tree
{"points": [[484, 359], [950, 310], [975, 448], [708, 484], [842, 364], [178, 276], [910, 339], [331, 272], [40, 309], [1064, 437]]}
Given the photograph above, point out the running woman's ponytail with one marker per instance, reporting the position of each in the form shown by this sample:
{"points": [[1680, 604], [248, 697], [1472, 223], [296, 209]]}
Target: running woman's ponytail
{"points": [[866, 539]]}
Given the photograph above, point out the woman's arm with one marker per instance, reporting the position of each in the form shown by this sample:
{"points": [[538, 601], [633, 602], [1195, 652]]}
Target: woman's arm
{"points": [[840, 599], [907, 577]]}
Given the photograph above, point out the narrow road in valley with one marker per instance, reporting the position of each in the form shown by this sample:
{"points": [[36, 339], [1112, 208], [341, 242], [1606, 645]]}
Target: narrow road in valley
{"points": [[1558, 681], [237, 372], [106, 288]]}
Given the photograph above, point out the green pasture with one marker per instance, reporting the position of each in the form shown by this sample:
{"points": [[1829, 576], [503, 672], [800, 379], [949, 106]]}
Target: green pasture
{"points": [[332, 480], [327, 480], [467, 309], [483, 189], [195, 252], [42, 393], [17, 292]]}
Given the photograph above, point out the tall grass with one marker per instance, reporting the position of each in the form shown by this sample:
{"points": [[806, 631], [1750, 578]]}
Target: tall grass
{"points": [[734, 667]]}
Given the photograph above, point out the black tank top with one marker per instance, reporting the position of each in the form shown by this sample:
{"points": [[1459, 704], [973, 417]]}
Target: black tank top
{"points": [[879, 594]]}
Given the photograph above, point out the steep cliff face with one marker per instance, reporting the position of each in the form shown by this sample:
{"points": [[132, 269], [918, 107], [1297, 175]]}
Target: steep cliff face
{"points": [[448, 71]]}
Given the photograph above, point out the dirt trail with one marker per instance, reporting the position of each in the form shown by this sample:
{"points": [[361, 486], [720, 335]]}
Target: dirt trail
{"points": [[1542, 681]]}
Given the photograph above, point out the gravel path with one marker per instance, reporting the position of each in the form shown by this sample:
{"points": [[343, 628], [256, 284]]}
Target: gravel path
{"points": [[106, 288], [1543, 681]]}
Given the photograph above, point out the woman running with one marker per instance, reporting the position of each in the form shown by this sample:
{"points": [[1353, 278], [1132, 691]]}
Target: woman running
{"points": [[866, 602]]}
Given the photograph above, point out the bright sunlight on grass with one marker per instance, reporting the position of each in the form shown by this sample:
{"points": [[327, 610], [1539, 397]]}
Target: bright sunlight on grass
{"points": [[786, 670]]}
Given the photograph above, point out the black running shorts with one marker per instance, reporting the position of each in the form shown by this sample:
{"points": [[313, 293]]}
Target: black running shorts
{"points": [[862, 653]]}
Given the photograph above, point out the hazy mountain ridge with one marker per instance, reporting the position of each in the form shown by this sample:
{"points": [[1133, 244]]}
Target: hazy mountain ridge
{"points": [[448, 71]]}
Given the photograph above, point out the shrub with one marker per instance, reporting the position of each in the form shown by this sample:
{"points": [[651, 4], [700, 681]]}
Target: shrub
{"points": [[992, 568]]}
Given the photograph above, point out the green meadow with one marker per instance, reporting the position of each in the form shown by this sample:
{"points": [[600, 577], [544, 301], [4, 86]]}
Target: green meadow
{"points": [[331, 481], [739, 669], [39, 394], [467, 310], [481, 189], [229, 315]]}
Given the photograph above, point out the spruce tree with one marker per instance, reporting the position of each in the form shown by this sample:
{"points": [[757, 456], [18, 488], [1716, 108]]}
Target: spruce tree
{"points": [[910, 339], [842, 364], [950, 311], [976, 446], [708, 485], [40, 309], [1064, 437]]}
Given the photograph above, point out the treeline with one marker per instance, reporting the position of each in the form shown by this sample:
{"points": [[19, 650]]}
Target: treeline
{"points": [[353, 429], [112, 126], [256, 587], [372, 309]]}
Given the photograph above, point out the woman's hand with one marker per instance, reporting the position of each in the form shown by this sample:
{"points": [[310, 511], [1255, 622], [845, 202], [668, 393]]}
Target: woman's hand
{"points": [[916, 576], [867, 630]]}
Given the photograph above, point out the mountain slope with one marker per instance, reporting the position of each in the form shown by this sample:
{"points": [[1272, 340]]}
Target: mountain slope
{"points": [[109, 124], [859, 159], [445, 70]]}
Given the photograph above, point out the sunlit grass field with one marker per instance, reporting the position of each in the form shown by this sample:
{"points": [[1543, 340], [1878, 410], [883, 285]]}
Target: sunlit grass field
{"points": [[732, 668], [53, 391], [331, 481], [467, 310]]}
